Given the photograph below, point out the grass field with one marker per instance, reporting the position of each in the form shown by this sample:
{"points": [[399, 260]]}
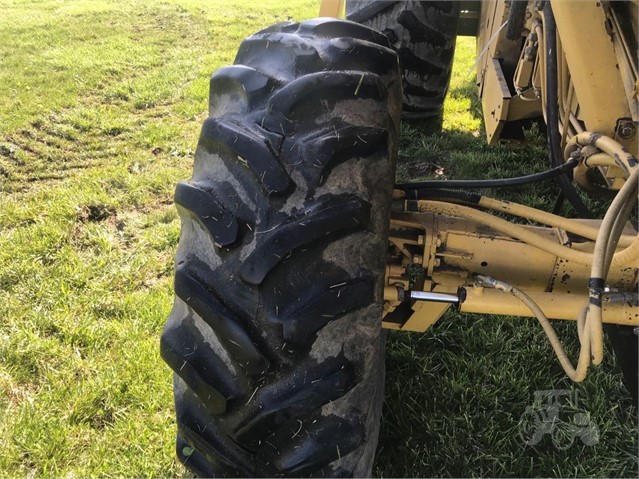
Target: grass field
{"points": [[100, 108]]}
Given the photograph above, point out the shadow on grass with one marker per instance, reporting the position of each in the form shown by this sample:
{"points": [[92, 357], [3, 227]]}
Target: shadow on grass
{"points": [[456, 397]]}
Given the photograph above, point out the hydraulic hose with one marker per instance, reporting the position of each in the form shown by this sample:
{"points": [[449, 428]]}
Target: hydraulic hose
{"points": [[557, 171], [620, 258], [617, 214], [581, 174], [474, 199], [572, 226], [507, 228], [616, 152], [552, 112], [598, 159], [607, 238], [443, 194], [516, 19], [578, 373]]}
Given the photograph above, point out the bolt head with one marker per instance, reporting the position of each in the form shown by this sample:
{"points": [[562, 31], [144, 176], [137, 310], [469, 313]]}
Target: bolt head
{"points": [[626, 129], [627, 132]]}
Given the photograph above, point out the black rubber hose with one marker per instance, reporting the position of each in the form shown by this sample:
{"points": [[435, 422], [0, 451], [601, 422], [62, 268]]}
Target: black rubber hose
{"points": [[445, 194], [516, 19], [558, 171], [559, 203], [552, 114]]}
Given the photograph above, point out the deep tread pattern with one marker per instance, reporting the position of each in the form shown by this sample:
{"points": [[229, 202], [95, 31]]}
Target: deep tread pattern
{"points": [[194, 459], [329, 305], [330, 28], [291, 55], [244, 87], [318, 446], [286, 399], [350, 54], [208, 306], [208, 211], [308, 154], [328, 215], [252, 149], [199, 365], [199, 432], [424, 34], [298, 102], [275, 335]]}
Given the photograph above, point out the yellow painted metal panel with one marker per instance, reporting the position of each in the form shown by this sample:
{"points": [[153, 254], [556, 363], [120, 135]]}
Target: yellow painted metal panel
{"points": [[495, 100], [554, 306], [591, 59], [332, 8]]}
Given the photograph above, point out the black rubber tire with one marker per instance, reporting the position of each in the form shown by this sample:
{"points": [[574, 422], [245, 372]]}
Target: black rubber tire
{"points": [[625, 344], [424, 35], [275, 335]]}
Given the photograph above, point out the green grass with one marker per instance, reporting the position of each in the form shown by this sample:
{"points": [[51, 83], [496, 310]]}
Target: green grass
{"points": [[100, 108]]}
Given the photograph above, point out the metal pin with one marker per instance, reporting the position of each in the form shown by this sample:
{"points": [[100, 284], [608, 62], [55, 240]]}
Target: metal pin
{"points": [[434, 297]]}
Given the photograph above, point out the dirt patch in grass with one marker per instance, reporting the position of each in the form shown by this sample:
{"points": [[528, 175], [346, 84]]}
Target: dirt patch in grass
{"points": [[95, 212]]}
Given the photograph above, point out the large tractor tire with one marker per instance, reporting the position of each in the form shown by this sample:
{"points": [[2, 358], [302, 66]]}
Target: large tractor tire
{"points": [[424, 34], [275, 335], [624, 344]]}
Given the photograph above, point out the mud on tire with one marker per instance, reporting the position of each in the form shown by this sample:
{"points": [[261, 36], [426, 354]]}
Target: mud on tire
{"points": [[275, 334], [424, 33]]}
